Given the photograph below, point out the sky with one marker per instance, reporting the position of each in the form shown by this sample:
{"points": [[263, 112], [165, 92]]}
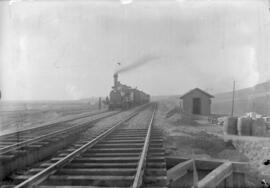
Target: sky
{"points": [[66, 50]]}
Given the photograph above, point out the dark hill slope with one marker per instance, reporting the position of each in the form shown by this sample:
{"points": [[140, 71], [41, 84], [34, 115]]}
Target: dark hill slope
{"points": [[255, 99]]}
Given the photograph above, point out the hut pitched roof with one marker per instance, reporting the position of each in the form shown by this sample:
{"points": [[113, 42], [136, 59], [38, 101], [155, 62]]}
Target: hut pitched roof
{"points": [[198, 89]]}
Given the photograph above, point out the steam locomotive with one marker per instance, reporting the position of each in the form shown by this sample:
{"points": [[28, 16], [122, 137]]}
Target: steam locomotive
{"points": [[124, 97]]}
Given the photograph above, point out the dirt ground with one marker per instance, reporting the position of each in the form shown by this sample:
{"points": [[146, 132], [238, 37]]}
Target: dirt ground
{"points": [[187, 138], [199, 139]]}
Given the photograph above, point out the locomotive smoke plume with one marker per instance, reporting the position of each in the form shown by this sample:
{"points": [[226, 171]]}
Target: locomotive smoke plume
{"points": [[138, 63]]}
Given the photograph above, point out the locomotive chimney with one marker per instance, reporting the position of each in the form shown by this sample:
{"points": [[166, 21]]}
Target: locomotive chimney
{"points": [[115, 76]]}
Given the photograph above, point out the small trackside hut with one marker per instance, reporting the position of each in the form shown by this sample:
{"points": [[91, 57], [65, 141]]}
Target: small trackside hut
{"points": [[197, 102]]}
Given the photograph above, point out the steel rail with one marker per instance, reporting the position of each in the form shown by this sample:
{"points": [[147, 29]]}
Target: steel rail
{"points": [[42, 175], [50, 124], [36, 139], [142, 163]]}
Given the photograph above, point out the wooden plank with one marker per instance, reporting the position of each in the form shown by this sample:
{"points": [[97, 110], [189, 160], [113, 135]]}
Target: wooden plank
{"points": [[200, 163], [203, 164], [216, 176], [239, 180], [240, 167], [229, 181], [179, 170], [207, 165], [172, 161]]}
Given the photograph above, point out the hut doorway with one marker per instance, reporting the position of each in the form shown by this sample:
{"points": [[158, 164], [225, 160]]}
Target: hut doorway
{"points": [[196, 106]]}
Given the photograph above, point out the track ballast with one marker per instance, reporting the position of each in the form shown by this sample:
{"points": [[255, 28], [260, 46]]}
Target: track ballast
{"points": [[118, 158]]}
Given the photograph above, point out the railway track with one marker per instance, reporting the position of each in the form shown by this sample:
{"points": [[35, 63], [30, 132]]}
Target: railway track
{"points": [[65, 118], [38, 143], [114, 157], [16, 140]]}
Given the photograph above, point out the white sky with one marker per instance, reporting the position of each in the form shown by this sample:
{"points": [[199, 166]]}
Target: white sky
{"points": [[56, 50]]}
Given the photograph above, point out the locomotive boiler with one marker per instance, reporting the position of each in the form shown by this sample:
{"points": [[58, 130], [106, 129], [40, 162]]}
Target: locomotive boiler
{"points": [[124, 97]]}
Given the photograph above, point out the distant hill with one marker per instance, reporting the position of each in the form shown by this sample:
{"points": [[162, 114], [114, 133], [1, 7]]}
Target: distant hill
{"points": [[256, 99], [165, 97]]}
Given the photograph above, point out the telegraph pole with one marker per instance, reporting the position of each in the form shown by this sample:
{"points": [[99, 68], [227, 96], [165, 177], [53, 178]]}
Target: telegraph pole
{"points": [[233, 98], [99, 103]]}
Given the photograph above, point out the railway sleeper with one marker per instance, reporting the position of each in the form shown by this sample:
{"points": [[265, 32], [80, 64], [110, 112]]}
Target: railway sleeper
{"points": [[19, 152], [124, 133], [155, 172], [30, 154], [124, 141], [8, 143], [128, 135], [89, 171], [156, 145], [153, 140], [102, 165], [98, 171], [144, 186], [155, 180], [155, 159], [121, 141], [107, 160], [73, 186], [155, 165], [123, 130], [156, 150], [112, 155], [130, 130], [126, 138], [20, 136], [89, 180], [118, 150], [130, 145], [7, 158]]}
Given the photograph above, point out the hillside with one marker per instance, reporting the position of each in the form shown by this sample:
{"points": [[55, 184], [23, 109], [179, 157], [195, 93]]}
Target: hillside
{"points": [[255, 99]]}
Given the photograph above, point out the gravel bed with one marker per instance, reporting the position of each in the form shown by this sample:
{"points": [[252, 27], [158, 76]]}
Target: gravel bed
{"points": [[112, 120], [141, 121], [90, 118]]}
